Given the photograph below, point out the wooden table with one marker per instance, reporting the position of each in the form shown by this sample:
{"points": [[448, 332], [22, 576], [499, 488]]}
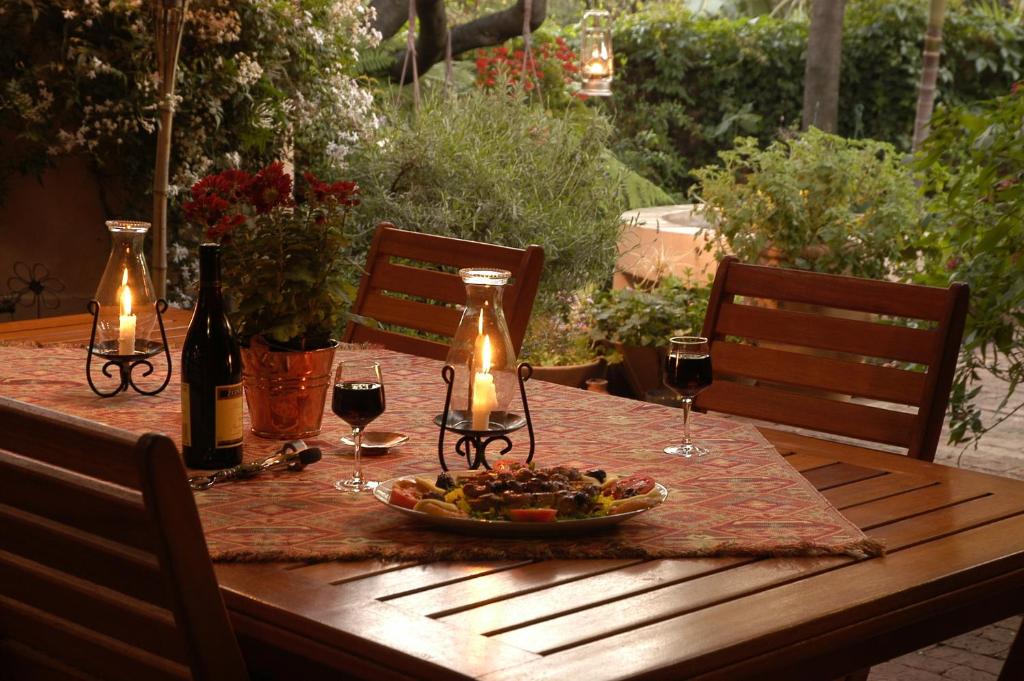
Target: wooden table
{"points": [[955, 562], [75, 328]]}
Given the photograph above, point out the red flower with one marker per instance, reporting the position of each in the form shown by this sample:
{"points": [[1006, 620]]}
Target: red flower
{"points": [[272, 187], [1015, 88], [342, 192], [223, 228]]}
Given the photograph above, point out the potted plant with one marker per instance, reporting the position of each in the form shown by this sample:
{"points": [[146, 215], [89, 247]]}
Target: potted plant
{"points": [[638, 322], [813, 201], [558, 344], [283, 269]]}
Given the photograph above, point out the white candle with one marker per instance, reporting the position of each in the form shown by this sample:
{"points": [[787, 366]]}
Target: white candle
{"points": [[485, 398], [126, 327]]}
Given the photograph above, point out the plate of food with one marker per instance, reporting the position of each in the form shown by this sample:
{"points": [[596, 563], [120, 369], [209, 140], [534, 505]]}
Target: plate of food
{"points": [[519, 500]]}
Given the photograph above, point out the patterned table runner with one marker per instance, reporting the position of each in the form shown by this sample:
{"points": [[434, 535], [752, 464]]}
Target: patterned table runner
{"points": [[746, 500]]}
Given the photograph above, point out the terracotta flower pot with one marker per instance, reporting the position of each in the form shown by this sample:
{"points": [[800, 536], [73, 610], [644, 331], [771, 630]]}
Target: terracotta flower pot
{"points": [[574, 375], [286, 390]]}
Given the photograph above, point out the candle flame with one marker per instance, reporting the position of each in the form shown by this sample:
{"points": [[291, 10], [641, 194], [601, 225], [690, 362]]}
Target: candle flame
{"points": [[126, 294], [480, 323], [486, 353]]}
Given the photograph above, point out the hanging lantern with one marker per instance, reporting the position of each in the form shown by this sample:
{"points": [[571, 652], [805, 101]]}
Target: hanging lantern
{"points": [[596, 57]]}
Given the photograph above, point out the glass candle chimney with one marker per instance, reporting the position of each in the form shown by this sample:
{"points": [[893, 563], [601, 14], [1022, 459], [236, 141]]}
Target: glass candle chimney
{"points": [[127, 313], [596, 59], [481, 353]]}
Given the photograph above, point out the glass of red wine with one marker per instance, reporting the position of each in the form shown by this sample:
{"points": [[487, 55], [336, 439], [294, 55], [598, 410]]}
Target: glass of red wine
{"points": [[358, 399], [687, 372]]}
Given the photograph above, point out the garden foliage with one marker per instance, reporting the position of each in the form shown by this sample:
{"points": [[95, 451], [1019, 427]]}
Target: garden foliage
{"points": [[254, 77], [814, 201], [687, 85], [974, 160], [482, 166]]}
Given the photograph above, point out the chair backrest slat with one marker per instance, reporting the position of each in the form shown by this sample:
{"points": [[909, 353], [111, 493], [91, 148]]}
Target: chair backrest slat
{"points": [[407, 287], [829, 416], [444, 287], [104, 611], [823, 373], [78, 445], [103, 565], [95, 558], [851, 293], [827, 333], [81, 503], [788, 346], [411, 314], [83, 648]]}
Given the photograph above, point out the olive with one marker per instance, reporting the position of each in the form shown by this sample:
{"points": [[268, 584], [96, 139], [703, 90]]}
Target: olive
{"points": [[444, 481], [597, 474]]}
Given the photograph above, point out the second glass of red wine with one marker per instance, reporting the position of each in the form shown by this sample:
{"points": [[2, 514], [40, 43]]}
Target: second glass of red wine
{"points": [[687, 372], [358, 399]]}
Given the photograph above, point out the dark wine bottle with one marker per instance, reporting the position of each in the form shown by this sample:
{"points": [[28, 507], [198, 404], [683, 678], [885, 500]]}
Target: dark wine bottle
{"points": [[211, 376]]}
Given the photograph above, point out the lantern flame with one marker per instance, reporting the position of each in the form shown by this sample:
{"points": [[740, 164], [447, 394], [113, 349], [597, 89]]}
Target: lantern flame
{"points": [[486, 355], [126, 294]]}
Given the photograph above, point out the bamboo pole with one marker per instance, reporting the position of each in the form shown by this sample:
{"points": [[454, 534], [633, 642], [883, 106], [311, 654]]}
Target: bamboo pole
{"points": [[929, 71], [170, 22]]}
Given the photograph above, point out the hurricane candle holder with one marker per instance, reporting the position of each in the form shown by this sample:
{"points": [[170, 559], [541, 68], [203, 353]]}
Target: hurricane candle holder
{"points": [[473, 443], [481, 371], [125, 315]]}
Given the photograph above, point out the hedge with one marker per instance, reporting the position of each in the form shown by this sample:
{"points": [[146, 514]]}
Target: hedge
{"points": [[687, 85]]}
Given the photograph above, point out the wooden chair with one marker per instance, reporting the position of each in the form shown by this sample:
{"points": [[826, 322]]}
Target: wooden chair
{"points": [[764, 368], [424, 299], [104, 571]]}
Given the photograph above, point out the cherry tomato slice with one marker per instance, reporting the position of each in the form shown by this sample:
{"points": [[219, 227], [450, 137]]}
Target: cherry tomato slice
{"points": [[633, 486], [505, 465], [532, 515], [405, 497]]}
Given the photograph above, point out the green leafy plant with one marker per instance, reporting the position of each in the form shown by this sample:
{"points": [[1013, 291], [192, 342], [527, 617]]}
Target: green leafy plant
{"points": [[483, 166], [561, 337], [254, 77], [648, 316], [686, 85], [974, 163], [816, 202], [283, 263]]}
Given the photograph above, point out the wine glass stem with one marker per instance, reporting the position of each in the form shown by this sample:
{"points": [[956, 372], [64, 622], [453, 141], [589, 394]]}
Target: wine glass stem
{"points": [[687, 401], [357, 437]]}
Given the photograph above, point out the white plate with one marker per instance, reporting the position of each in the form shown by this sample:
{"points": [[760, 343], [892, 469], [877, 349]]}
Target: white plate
{"points": [[507, 528]]}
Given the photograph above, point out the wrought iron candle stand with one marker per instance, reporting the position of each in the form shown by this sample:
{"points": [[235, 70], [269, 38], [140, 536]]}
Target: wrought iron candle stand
{"points": [[472, 444], [145, 349]]}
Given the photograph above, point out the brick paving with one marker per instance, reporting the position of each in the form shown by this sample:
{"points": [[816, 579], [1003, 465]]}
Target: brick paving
{"points": [[977, 655]]}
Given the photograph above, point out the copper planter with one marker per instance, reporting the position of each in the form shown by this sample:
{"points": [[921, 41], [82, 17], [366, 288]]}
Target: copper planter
{"points": [[286, 391]]}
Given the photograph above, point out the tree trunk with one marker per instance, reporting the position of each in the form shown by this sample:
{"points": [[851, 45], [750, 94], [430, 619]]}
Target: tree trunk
{"points": [[929, 70], [821, 75], [490, 29]]}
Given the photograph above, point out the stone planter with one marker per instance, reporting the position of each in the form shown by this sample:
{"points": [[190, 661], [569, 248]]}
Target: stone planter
{"points": [[574, 375], [286, 390]]}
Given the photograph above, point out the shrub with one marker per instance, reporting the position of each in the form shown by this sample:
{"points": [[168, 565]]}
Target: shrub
{"points": [[815, 202], [974, 159], [485, 167], [649, 316], [686, 85]]}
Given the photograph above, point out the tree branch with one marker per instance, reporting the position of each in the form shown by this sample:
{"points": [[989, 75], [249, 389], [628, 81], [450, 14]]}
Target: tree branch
{"points": [[491, 29]]}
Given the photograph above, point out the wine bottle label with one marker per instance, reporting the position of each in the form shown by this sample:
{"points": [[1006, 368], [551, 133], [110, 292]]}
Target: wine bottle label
{"points": [[229, 429], [186, 420]]}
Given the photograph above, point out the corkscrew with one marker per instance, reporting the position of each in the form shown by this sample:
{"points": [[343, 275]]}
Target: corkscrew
{"points": [[294, 455]]}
